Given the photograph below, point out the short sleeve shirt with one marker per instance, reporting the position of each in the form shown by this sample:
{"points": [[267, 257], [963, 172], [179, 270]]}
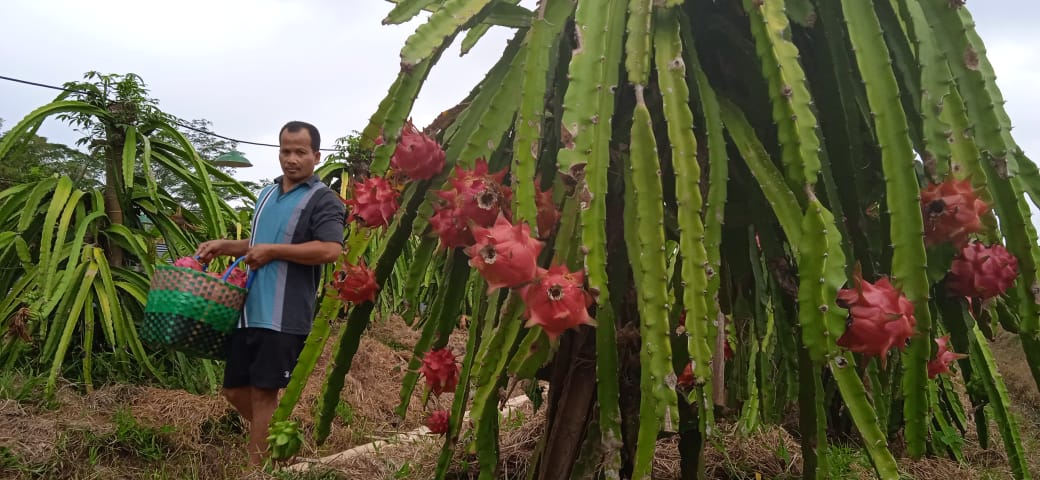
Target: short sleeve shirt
{"points": [[283, 294]]}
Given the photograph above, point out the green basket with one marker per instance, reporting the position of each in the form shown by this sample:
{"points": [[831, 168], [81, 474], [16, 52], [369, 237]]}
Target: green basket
{"points": [[191, 312]]}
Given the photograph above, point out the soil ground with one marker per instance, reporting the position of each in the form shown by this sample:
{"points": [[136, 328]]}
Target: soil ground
{"points": [[126, 431]]}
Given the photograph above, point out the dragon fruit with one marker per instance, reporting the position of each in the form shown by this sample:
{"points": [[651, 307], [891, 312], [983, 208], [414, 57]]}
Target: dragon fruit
{"points": [[417, 155], [437, 422], [686, 380], [943, 358], [440, 370], [983, 272], [237, 277], [374, 202], [557, 301], [505, 255], [951, 212], [188, 262], [475, 198], [355, 283], [548, 214], [880, 317], [449, 226]]}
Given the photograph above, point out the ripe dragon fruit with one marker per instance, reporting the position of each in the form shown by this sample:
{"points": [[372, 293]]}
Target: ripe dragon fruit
{"points": [[983, 272], [557, 301], [548, 214], [237, 277], [417, 155], [951, 212], [880, 317], [475, 198], [440, 370], [355, 283], [686, 380], [943, 358], [505, 255], [374, 202], [188, 262], [437, 422], [450, 227]]}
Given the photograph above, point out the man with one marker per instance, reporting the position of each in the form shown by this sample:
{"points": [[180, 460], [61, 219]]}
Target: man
{"points": [[297, 228]]}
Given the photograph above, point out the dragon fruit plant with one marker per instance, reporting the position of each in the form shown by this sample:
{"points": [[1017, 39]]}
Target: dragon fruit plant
{"points": [[630, 177]]}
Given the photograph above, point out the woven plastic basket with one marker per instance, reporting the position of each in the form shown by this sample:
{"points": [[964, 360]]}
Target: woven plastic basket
{"points": [[192, 312]]}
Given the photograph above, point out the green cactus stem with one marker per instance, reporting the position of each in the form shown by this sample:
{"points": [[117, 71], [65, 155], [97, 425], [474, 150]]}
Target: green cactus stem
{"points": [[461, 396], [657, 399], [770, 180], [444, 23], [445, 313], [637, 43], [543, 39], [935, 81], [788, 91], [672, 83], [588, 106], [909, 269], [713, 212], [359, 317], [312, 348], [966, 56]]}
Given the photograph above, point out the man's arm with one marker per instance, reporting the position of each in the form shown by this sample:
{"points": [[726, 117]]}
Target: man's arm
{"points": [[314, 252], [215, 248]]}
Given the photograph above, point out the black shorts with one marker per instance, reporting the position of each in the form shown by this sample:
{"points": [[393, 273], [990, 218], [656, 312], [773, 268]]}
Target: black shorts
{"points": [[261, 358]]}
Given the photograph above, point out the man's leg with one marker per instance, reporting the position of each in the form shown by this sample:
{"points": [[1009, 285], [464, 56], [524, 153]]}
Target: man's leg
{"points": [[264, 402], [241, 399]]}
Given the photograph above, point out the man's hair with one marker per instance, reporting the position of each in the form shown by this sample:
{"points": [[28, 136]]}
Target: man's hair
{"points": [[295, 126]]}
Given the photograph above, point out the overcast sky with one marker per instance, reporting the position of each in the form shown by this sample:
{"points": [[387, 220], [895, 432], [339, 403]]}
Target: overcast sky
{"points": [[249, 66]]}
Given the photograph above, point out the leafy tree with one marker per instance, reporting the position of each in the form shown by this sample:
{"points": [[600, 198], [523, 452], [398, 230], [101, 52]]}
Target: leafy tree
{"points": [[79, 260]]}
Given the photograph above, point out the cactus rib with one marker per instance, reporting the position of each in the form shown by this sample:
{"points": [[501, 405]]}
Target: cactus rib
{"points": [[542, 39], [909, 269], [588, 107], [671, 78], [788, 91], [657, 399]]}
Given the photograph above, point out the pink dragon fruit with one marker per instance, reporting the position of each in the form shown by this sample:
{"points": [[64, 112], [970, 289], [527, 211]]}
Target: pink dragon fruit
{"points": [[478, 195], [237, 277], [450, 227], [440, 370], [417, 155], [943, 358], [548, 214], [982, 272], [437, 422], [188, 262], [355, 283], [557, 301], [374, 202], [505, 255], [951, 212], [880, 317]]}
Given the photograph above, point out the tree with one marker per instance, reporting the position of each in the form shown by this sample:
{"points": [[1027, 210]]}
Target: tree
{"points": [[78, 260], [720, 165]]}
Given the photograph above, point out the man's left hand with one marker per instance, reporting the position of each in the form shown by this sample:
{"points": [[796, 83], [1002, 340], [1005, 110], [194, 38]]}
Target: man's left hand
{"points": [[260, 255]]}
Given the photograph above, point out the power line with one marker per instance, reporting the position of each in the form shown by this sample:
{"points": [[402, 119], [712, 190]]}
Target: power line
{"points": [[175, 121]]}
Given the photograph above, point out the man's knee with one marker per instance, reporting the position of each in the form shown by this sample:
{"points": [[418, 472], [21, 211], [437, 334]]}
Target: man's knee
{"points": [[238, 396]]}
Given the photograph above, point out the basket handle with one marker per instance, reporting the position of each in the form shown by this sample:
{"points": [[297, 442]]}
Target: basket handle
{"points": [[249, 278]]}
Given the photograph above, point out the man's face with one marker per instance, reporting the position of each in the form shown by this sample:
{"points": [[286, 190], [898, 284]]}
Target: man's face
{"points": [[296, 156]]}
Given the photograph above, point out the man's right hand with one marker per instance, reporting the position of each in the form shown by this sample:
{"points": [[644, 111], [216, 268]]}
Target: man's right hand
{"points": [[209, 250]]}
